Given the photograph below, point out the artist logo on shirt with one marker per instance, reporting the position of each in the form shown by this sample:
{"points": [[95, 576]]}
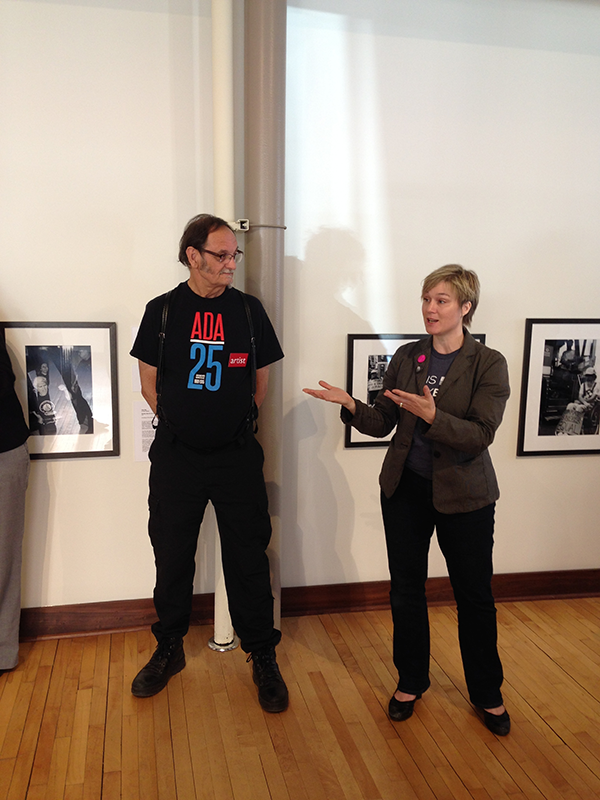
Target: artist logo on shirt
{"points": [[238, 359]]}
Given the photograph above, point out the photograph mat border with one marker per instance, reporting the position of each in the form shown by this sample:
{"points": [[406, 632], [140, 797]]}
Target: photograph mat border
{"points": [[537, 332], [101, 337]]}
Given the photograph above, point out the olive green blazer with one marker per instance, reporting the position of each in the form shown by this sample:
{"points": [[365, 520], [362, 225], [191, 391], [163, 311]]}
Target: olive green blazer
{"points": [[469, 408]]}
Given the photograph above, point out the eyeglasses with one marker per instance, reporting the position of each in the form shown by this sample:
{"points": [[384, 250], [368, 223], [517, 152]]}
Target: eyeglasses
{"points": [[224, 258]]}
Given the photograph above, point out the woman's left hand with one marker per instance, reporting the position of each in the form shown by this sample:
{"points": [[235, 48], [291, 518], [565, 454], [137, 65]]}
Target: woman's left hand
{"points": [[423, 407]]}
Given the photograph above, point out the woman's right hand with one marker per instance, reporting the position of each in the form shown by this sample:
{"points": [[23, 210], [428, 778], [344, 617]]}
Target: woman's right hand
{"points": [[333, 394]]}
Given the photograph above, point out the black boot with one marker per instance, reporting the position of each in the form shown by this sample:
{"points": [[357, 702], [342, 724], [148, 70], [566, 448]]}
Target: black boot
{"points": [[272, 691], [168, 659]]}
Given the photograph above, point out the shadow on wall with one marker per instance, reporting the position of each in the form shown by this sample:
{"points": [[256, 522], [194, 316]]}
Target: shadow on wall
{"points": [[319, 512]]}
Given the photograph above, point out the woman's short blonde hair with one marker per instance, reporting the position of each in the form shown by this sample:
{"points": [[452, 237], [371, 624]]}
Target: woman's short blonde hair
{"points": [[464, 282]]}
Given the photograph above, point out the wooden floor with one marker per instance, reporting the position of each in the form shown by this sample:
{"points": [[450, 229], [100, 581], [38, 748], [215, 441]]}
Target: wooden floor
{"points": [[69, 727]]}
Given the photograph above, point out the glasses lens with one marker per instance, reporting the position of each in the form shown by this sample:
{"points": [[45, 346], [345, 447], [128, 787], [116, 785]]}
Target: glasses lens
{"points": [[238, 256]]}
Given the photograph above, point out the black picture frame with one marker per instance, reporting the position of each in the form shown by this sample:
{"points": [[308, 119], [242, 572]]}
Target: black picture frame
{"points": [[368, 355], [560, 406], [66, 380]]}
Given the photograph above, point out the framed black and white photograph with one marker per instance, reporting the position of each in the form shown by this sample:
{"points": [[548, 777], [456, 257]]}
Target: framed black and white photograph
{"points": [[66, 380], [368, 357], [560, 392]]}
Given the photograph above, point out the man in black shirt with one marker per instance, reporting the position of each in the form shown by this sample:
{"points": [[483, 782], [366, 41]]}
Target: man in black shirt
{"points": [[211, 381]]}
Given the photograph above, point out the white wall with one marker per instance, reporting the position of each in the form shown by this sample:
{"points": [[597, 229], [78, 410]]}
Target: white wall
{"points": [[421, 134], [418, 134], [105, 153]]}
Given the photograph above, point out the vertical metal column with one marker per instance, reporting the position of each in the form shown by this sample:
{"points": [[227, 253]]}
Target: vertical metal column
{"points": [[224, 637], [264, 102]]}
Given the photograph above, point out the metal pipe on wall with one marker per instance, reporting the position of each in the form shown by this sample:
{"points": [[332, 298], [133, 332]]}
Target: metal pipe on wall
{"points": [[222, 84], [264, 158], [224, 206]]}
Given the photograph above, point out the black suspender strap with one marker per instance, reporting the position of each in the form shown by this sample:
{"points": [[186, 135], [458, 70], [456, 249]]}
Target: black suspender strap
{"points": [[161, 362], [253, 409]]}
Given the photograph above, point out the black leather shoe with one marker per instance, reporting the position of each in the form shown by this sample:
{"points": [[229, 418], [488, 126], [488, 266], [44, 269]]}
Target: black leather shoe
{"points": [[496, 723], [399, 710], [167, 660], [272, 691]]}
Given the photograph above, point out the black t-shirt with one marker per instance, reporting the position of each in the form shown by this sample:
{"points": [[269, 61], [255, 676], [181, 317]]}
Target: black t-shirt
{"points": [[420, 455], [207, 379]]}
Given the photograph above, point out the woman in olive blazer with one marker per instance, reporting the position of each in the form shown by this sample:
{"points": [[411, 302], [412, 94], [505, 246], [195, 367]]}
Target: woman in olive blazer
{"points": [[445, 395], [470, 405]]}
